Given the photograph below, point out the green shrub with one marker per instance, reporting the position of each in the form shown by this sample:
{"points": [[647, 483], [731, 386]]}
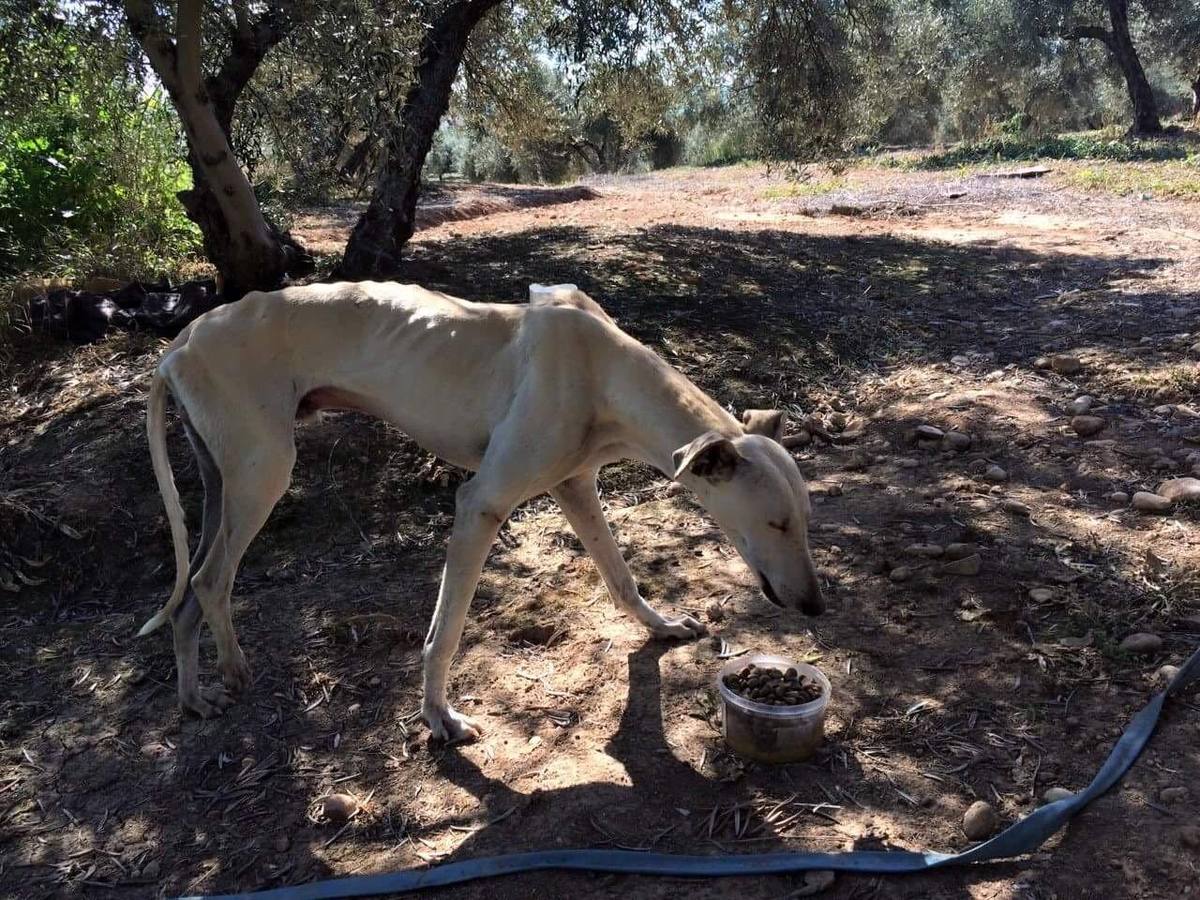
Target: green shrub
{"points": [[1019, 148]]}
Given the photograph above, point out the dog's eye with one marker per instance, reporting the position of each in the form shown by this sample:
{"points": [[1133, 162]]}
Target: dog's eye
{"points": [[780, 526]]}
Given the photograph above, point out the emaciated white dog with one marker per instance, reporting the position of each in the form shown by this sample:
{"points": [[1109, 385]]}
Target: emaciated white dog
{"points": [[533, 398]]}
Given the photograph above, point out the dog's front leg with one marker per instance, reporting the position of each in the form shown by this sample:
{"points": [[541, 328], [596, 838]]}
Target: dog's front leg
{"points": [[579, 502], [476, 522]]}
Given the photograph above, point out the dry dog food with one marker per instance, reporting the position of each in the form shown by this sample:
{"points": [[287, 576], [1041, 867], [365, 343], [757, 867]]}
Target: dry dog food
{"points": [[773, 687]]}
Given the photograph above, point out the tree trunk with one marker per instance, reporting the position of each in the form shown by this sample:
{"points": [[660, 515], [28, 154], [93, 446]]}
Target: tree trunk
{"points": [[1196, 97], [248, 253], [1145, 110], [381, 233]]}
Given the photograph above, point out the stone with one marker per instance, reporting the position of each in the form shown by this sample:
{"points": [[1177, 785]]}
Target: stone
{"points": [[1142, 642], [338, 808], [1144, 501], [970, 565], [715, 612], [837, 421], [995, 474], [1173, 794], [956, 441], [1176, 489], [1080, 405], [814, 883], [1166, 674], [1118, 497], [281, 843], [1042, 362], [907, 463], [900, 573], [1065, 364], [929, 433], [928, 551], [1086, 426], [1054, 794], [980, 821], [1165, 409], [1189, 836], [151, 869], [1041, 594], [1016, 507], [959, 551]]}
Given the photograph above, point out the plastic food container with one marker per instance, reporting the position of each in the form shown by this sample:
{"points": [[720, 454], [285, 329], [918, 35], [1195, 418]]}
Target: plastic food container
{"points": [[776, 734]]}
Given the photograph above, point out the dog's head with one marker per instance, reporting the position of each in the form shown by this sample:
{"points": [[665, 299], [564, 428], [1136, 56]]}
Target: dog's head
{"points": [[753, 488]]}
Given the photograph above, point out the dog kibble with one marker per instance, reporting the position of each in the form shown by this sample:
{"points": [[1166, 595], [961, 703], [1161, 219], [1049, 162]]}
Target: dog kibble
{"points": [[773, 687]]}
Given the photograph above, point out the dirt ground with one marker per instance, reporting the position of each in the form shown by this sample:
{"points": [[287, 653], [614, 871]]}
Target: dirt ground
{"points": [[925, 300]]}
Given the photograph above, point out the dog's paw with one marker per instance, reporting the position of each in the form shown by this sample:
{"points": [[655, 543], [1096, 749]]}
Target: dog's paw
{"points": [[235, 673], [685, 628], [205, 704], [449, 726]]}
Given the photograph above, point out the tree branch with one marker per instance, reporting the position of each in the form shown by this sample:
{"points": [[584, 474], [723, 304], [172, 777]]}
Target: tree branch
{"points": [[1089, 32], [148, 28]]}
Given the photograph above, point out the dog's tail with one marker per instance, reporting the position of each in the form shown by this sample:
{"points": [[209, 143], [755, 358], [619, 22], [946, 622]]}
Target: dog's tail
{"points": [[156, 430]]}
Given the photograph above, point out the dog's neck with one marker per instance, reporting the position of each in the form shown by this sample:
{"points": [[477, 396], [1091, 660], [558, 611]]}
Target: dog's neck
{"points": [[663, 410]]}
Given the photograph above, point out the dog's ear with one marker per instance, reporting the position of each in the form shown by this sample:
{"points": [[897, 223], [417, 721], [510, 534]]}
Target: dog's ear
{"points": [[712, 456], [767, 422]]}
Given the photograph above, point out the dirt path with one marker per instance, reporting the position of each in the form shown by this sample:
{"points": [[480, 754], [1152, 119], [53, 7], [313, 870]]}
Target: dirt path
{"points": [[947, 688]]}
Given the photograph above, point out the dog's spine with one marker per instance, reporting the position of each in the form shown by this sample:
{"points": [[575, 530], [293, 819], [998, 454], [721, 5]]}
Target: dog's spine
{"points": [[156, 430]]}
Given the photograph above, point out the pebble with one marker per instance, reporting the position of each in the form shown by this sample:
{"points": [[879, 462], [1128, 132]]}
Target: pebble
{"points": [[834, 490], [929, 551], [907, 463], [1086, 426], [1082, 404], [1175, 489], [1119, 497], [980, 820], [970, 565], [1189, 836], [1144, 501], [1165, 410], [338, 808], [1173, 794], [1065, 364], [1142, 642], [900, 573], [929, 433], [1041, 595], [1054, 794], [995, 474], [959, 551], [1016, 507], [1042, 362]]}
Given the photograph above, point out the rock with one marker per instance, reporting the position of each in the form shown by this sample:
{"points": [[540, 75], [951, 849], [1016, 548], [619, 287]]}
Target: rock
{"points": [[837, 421], [834, 490], [928, 551], [801, 438], [715, 612], [1165, 410], [956, 441], [1189, 836], [1118, 497], [338, 808], [900, 573], [1086, 426], [1054, 794], [151, 869], [929, 433], [1142, 642], [814, 883], [1041, 595], [1144, 501], [970, 565], [907, 463], [1176, 489], [959, 551], [1042, 362], [1065, 364], [980, 820], [1016, 507], [1173, 794], [1080, 405], [281, 843], [674, 489], [1166, 674], [995, 474]]}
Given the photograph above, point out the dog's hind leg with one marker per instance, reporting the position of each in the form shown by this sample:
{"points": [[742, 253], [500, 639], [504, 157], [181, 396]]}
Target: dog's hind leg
{"points": [[256, 468], [580, 504], [185, 618]]}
